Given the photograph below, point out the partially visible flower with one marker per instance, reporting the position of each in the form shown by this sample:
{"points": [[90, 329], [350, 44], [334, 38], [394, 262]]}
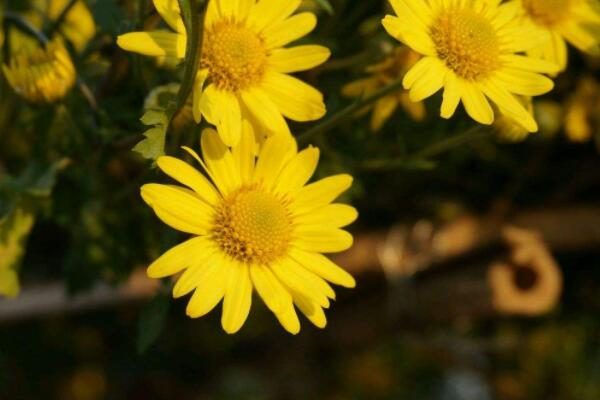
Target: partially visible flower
{"points": [[391, 69], [510, 130], [582, 116], [14, 230], [574, 21], [157, 98], [244, 69], [43, 75], [77, 26], [256, 224], [470, 50]]}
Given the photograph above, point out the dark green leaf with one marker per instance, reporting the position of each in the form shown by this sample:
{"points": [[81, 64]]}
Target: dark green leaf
{"points": [[152, 321], [325, 5]]}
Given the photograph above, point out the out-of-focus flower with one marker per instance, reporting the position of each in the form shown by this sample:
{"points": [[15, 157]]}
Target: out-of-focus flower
{"points": [[391, 69], [13, 231], [43, 75], [244, 65], [156, 99], [561, 21], [470, 50], [510, 130], [257, 225], [77, 26], [582, 117]]}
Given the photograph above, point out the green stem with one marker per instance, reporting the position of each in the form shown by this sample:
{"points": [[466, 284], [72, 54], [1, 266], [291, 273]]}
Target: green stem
{"points": [[435, 149], [25, 27], [193, 17], [347, 112]]}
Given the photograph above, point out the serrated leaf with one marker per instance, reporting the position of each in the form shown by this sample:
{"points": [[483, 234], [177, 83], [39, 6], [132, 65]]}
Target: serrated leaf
{"points": [[152, 321], [153, 146], [325, 5], [14, 230]]}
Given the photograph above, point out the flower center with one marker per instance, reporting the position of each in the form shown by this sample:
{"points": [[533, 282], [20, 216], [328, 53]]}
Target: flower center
{"points": [[466, 42], [547, 13], [235, 56], [253, 226]]}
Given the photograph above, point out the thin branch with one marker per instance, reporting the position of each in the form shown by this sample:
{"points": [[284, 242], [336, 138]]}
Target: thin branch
{"points": [[435, 149], [347, 112]]}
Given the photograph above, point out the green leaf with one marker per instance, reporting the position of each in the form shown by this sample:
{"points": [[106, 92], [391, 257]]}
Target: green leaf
{"points": [[153, 146], [152, 321], [325, 5], [37, 179], [14, 230]]}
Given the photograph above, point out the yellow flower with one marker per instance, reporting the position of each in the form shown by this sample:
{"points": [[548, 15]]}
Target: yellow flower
{"points": [[391, 69], [469, 49], [257, 225], [244, 64], [573, 21], [582, 117], [43, 75]]}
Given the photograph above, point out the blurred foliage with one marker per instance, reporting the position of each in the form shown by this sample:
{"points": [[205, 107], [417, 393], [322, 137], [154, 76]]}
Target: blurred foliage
{"points": [[70, 169]]}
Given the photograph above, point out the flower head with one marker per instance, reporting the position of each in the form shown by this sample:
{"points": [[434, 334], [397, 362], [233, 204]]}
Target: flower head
{"points": [[561, 21], [392, 68], [43, 75], [256, 225], [469, 50], [244, 64]]}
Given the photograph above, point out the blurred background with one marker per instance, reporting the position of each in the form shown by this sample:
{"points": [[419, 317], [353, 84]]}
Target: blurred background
{"points": [[477, 252]]}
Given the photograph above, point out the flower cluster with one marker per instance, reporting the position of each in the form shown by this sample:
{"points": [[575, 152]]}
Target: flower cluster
{"points": [[256, 221]]}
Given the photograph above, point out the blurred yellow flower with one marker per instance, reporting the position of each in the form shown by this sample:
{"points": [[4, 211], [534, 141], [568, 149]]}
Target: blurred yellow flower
{"points": [[244, 64], [582, 114], [573, 21], [392, 68], [13, 231], [470, 50], [43, 75], [257, 225], [77, 26], [510, 130]]}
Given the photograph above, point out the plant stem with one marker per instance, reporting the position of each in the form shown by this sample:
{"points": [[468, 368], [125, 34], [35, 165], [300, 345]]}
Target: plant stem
{"points": [[435, 149], [340, 116]]}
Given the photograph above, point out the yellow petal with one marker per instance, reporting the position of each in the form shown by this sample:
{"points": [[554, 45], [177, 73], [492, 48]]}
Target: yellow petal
{"points": [[320, 193], [323, 267], [299, 58], [329, 216], [179, 257], [323, 240], [170, 12], [291, 29], [190, 177], [270, 289], [244, 152], [295, 99], [275, 153], [179, 208], [210, 290], [289, 319], [270, 12], [311, 310], [238, 298], [298, 171], [155, 44], [219, 162], [265, 111]]}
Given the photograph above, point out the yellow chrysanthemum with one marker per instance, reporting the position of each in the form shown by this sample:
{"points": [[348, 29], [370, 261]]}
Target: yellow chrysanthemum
{"points": [[258, 225], [392, 68], [43, 75], [469, 49], [244, 65], [573, 21]]}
